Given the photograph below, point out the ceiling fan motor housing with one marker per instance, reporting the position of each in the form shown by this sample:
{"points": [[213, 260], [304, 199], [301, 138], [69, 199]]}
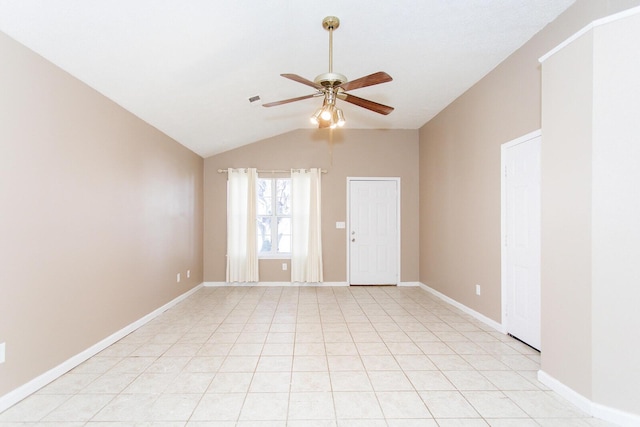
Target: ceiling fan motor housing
{"points": [[330, 79]]}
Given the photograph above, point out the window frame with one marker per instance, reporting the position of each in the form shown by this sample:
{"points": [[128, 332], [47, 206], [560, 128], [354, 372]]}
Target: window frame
{"points": [[273, 254]]}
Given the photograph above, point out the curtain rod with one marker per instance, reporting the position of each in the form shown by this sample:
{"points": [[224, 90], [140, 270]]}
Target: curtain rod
{"points": [[269, 171]]}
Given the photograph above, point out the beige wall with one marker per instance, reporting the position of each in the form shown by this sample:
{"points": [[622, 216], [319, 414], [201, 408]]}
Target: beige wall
{"points": [[364, 153], [100, 211], [460, 165]]}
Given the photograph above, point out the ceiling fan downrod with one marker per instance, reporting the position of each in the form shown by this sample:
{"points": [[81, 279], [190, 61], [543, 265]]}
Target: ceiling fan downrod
{"points": [[330, 23], [330, 79]]}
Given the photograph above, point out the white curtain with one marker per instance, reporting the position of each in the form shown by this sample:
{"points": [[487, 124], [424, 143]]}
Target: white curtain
{"points": [[242, 251], [306, 249]]}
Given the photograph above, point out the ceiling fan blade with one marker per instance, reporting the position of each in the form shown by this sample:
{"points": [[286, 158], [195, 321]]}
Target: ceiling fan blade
{"points": [[299, 79], [365, 103], [286, 101], [370, 80]]}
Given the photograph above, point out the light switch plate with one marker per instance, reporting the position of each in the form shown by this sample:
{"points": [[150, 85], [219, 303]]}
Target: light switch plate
{"points": [[340, 224], [3, 347]]}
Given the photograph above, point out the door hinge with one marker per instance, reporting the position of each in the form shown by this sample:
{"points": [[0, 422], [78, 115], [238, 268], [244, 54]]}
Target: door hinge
{"points": [[505, 171]]}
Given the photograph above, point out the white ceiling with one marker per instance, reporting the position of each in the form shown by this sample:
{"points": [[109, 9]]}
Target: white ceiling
{"points": [[188, 67]]}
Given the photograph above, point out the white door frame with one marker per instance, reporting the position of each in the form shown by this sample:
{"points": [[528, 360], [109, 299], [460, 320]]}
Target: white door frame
{"points": [[399, 220], [503, 218]]}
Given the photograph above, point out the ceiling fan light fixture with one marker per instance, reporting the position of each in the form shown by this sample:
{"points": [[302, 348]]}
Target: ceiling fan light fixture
{"points": [[327, 113], [339, 119], [315, 118], [328, 116]]}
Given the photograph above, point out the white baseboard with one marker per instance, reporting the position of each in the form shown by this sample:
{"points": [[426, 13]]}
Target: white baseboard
{"points": [[409, 284], [572, 396], [37, 383], [215, 284], [287, 284], [481, 317], [332, 284], [594, 409]]}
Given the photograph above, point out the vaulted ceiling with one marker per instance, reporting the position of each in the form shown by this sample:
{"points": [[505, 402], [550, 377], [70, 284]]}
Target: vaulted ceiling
{"points": [[189, 67]]}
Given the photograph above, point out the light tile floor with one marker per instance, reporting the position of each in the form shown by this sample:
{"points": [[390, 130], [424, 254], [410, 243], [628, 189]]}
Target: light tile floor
{"points": [[308, 356]]}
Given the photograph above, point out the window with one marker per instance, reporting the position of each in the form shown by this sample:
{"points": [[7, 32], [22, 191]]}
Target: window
{"points": [[273, 211]]}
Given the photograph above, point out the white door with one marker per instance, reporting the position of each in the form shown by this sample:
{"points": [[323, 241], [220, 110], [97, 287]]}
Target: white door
{"points": [[373, 232], [521, 245]]}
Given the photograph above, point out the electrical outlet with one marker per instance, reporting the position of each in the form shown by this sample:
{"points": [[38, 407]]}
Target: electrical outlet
{"points": [[477, 289], [188, 274], [3, 347], [284, 266], [178, 278]]}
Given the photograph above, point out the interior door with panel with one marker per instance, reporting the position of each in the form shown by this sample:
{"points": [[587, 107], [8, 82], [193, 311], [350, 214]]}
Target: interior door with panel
{"points": [[373, 232], [522, 239]]}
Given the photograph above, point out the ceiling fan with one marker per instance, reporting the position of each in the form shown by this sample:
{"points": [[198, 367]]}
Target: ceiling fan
{"points": [[334, 86]]}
